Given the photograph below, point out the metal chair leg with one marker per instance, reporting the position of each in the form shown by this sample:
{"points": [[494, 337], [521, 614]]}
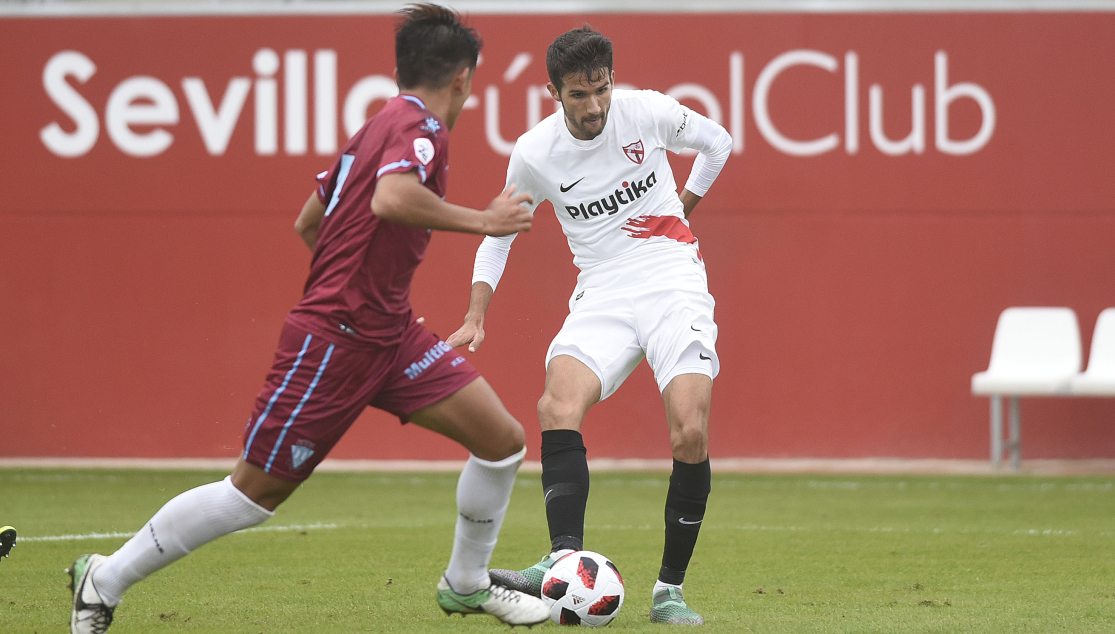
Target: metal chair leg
{"points": [[996, 430], [1015, 433]]}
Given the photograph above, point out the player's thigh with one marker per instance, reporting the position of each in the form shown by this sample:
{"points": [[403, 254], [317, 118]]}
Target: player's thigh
{"points": [[571, 389], [680, 331], [601, 334], [475, 417], [313, 393], [688, 401]]}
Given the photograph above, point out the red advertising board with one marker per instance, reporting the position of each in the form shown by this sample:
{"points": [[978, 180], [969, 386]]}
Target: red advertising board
{"points": [[896, 181]]}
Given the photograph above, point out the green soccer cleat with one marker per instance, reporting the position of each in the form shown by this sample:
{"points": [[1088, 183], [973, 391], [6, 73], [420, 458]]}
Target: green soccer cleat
{"points": [[507, 605], [527, 581], [7, 540], [90, 614], [669, 607]]}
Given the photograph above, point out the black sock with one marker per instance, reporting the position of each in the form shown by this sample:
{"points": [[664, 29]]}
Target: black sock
{"points": [[685, 510], [565, 482]]}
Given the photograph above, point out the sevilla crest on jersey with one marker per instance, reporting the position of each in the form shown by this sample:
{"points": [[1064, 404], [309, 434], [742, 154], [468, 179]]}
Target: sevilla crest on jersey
{"points": [[634, 151]]}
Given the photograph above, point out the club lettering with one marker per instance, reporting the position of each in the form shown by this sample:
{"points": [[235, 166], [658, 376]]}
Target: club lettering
{"points": [[144, 114]]}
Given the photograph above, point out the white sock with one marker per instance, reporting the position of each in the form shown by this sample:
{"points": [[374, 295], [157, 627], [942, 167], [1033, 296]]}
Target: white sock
{"points": [[661, 585], [483, 492], [190, 520]]}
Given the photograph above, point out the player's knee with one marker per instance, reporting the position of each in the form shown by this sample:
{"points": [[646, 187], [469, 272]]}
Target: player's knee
{"points": [[515, 439], [262, 488], [545, 406], [555, 413], [509, 441], [689, 442]]}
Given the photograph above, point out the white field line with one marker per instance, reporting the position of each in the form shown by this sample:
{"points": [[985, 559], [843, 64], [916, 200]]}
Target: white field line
{"points": [[72, 538], [866, 529], [89, 536], [1029, 532]]}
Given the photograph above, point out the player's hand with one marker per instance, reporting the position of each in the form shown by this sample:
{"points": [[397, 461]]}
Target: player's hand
{"points": [[506, 215], [471, 333]]}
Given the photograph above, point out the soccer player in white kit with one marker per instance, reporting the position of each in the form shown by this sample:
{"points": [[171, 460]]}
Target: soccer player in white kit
{"points": [[642, 290]]}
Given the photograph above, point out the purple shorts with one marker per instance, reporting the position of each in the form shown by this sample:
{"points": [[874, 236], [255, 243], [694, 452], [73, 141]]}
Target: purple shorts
{"points": [[317, 387]]}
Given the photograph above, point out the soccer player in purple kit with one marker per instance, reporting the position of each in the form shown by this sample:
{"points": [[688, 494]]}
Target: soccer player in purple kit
{"points": [[353, 342]]}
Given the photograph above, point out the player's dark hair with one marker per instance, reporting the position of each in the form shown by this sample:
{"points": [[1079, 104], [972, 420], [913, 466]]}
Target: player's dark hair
{"points": [[431, 45], [580, 51]]}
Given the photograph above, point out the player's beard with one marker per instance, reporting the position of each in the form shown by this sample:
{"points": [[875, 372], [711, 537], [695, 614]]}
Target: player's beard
{"points": [[583, 126]]}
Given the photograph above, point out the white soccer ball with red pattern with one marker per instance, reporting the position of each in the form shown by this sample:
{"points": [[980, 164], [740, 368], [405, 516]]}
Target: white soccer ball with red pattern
{"points": [[583, 588]]}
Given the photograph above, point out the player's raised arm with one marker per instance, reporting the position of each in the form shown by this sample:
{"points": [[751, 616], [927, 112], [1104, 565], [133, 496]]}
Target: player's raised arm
{"points": [[680, 128], [402, 198], [714, 145]]}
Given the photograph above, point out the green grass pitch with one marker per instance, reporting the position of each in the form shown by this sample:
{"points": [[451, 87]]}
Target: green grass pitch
{"points": [[778, 553]]}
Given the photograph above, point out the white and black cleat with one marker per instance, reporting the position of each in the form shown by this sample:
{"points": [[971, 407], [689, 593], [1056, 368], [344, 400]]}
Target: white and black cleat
{"points": [[90, 613], [507, 605]]}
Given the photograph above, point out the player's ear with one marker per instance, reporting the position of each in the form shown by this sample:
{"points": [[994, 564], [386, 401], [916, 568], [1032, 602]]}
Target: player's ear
{"points": [[554, 92], [613, 77], [461, 81], [395, 76]]}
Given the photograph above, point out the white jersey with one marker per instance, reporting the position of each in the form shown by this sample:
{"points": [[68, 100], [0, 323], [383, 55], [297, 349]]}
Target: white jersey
{"points": [[614, 193], [642, 290]]}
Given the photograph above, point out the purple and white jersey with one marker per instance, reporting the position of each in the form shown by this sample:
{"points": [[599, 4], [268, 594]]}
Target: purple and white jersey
{"points": [[360, 276]]}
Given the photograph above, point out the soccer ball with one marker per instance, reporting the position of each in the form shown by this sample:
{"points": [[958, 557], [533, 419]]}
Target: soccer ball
{"points": [[583, 588]]}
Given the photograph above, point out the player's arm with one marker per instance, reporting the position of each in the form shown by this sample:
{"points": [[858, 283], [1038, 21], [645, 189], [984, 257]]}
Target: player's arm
{"points": [[714, 145], [491, 259], [309, 220], [401, 197], [472, 332], [689, 200], [679, 128]]}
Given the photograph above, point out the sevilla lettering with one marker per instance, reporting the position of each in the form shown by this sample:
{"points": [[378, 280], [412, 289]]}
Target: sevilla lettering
{"points": [[143, 114]]}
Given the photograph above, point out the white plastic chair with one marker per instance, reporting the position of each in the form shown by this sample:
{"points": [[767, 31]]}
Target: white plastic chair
{"points": [[1099, 378], [1036, 352]]}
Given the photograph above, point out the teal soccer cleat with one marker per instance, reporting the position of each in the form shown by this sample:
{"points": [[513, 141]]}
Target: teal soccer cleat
{"points": [[669, 607]]}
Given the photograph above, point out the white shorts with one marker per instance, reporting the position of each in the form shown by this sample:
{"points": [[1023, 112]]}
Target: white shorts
{"points": [[652, 305]]}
